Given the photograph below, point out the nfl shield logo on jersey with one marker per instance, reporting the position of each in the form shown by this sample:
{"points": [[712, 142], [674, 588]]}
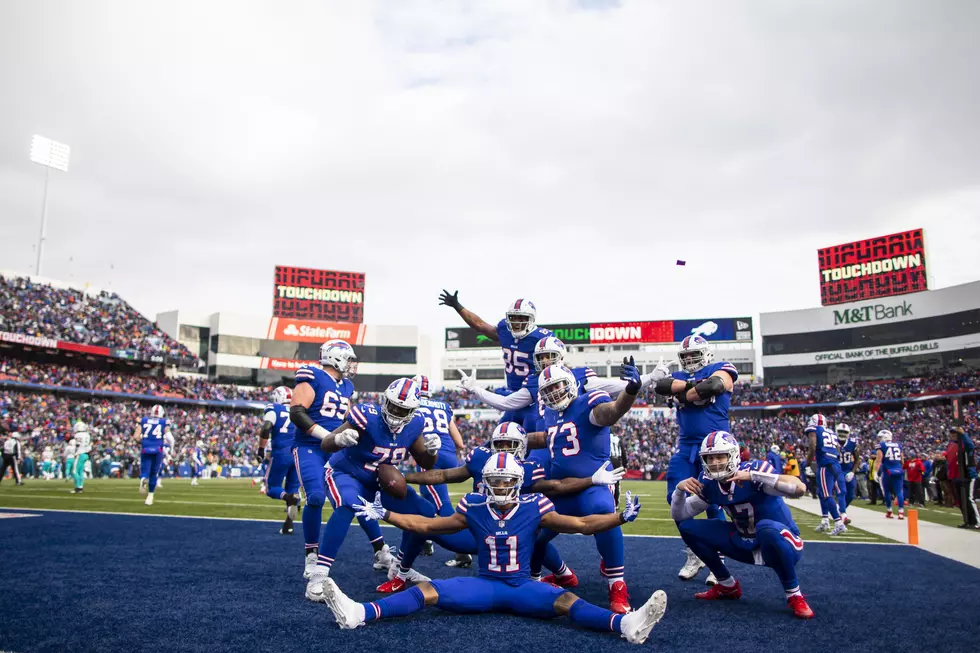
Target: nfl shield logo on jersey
{"points": [[501, 523]]}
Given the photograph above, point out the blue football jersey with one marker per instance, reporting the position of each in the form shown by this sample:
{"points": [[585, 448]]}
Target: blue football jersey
{"points": [[533, 472], [847, 456], [578, 447], [504, 542], [697, 421], [197, 455], [776, 461], [331, 400], [153, 429], [581, 374], [518, 362], [283, 432], [891, 456], [438, 415], [376, 446], [828, 450], [746, 503]]}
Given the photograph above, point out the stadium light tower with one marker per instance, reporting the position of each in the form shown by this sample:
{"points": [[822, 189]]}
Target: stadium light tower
{"points": [[50, 154]]}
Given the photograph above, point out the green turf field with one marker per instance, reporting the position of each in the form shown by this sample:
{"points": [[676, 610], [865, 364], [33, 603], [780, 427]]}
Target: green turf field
{"points": [[931, 512], [238, 498]]}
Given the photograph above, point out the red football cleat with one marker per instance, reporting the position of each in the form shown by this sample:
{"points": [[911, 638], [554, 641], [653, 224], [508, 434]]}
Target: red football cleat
{"points": [[721, 593], [396, 584], [847, 521], [888, 515], [901, 515], [569, 580], [799, 607], [619, 598]]}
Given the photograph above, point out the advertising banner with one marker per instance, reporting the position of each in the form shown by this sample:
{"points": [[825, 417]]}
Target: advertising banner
{"points": [[873, 268], [312, 294], [281, 328], [283, 364]]}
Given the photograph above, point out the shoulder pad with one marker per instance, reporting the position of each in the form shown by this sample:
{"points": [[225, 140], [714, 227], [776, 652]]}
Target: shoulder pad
{"points": [[598, 396], [305, 374]]}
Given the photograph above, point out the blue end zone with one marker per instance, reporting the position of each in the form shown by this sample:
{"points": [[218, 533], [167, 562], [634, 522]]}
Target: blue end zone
{"points": [[113, 583]]}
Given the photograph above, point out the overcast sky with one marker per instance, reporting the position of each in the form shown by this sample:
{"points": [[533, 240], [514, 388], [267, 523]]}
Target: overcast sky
{"points": [[564, 151]]}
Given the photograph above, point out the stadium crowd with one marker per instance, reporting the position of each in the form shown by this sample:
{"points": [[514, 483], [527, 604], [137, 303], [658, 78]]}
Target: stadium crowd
{"points": [[104, 320], [857, 390]]}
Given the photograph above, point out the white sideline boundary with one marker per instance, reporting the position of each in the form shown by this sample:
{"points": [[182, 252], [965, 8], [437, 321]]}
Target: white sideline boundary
{"points": [[279, 521]]}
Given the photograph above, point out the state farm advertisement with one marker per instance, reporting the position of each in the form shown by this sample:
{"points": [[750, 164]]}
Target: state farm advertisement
{"points": [[281, 328], [873, 268]]}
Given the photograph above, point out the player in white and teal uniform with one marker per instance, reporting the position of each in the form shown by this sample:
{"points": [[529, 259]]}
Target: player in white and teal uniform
{"points": [[83, 442], [70, 449]]}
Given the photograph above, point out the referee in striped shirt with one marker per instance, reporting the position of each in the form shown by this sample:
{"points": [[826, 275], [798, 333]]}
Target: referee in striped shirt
{"points": [[11, 457]]}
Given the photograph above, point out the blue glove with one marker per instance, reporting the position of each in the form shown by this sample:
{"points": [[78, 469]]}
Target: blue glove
{"points": [[631, 510], [631, 375]]}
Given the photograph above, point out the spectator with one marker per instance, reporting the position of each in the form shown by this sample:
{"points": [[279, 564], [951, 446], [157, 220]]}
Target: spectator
{"points": [[914, 471], [861, 490]]}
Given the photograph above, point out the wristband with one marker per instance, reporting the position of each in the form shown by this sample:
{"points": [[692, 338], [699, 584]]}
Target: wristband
{"points": [[386, 515], [764, 478], [622, 517], [319, 432]]}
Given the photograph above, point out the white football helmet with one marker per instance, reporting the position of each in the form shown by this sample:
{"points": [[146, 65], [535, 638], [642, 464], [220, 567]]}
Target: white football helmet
{"points": [[548, 351], [843, 432], [694, 354], [79, 427], [557, 387], [282, 395], [399, 403], [520, 317], [340, 356], [720, 442], [157, 411], [884, 435], [817, 420], [503, 477], [423, 383], [774, 448], [509, 437]]}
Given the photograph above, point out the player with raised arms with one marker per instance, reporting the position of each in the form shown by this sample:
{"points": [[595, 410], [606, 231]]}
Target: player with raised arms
{"points": [[321, 399], [848, 461], [762, 530], [703, 392], [370, 436], [517, 334], [888, 462], [503, 524], [151, 431], [281, 477], [830, 480], [577, 434]]}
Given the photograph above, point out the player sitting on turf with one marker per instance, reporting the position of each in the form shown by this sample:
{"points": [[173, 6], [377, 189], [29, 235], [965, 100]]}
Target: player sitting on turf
{"points": [[507, 437], [504, 525], [281, 477], [762, 531]]}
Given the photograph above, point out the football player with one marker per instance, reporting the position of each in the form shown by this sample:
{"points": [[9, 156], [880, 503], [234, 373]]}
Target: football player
{"points": [[848, 458], [321, 399], [823, 447], [196, 461], [774, 458], [703, 392], [517, 335], [48, 466], [151, 431], [70, 448], [504, 525], [577, 433], [762, 531], [83, 441], [371, 435], [281, 478], [888, 462]]}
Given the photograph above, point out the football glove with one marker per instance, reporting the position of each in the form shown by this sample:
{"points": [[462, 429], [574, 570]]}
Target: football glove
{"points": [[372, 511], [452, 301], [466, 382], [606, 476], [849, 476], [631, 509], [661, 371], [631, 375], [810, 473], [260, 454], [432, 443], [347, 438]]}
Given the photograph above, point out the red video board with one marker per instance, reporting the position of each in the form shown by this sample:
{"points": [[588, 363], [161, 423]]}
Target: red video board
{"points": [[311, 294], [873, 268]]}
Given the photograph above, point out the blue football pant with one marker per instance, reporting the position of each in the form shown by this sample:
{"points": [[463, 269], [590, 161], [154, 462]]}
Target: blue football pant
{"points": [[845, 498], [594, 501], [476, 595], [150, 464], [829, 480], [310, 462], [775, 546], [892, 488], [684, 464], [281, 477], [438, 495]]}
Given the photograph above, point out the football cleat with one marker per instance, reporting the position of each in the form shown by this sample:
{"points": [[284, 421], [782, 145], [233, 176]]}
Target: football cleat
{"points": [[193, 481], [77, 490], [349, 614], [314, 587], [636, 626], [822, 527], [888, 515], [143, 486], [566, 581], [310, 566], [383, 558], [799, 607], [619, 598], [847, 520], [721, 593], [149, 499], [711, 580], [901, 515], [428, 548], [691, 567], [461, 561], [292, 510], [396, 584], [839, 529], [287, 527]]}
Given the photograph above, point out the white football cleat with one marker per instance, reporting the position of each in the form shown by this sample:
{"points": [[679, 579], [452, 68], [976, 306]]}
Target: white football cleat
{"points": [[314, 588], [292, 512], [412, 577], [839, 529], [383, 558], [159, 482], [822, 527], [143, 486], [691, 567], [149, 499], [193, 481], [348, 613], [310, 565], [636, 625], [711, 580]]}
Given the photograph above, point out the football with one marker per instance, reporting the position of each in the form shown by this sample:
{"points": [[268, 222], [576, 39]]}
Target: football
{"points": [[392, 481]]}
